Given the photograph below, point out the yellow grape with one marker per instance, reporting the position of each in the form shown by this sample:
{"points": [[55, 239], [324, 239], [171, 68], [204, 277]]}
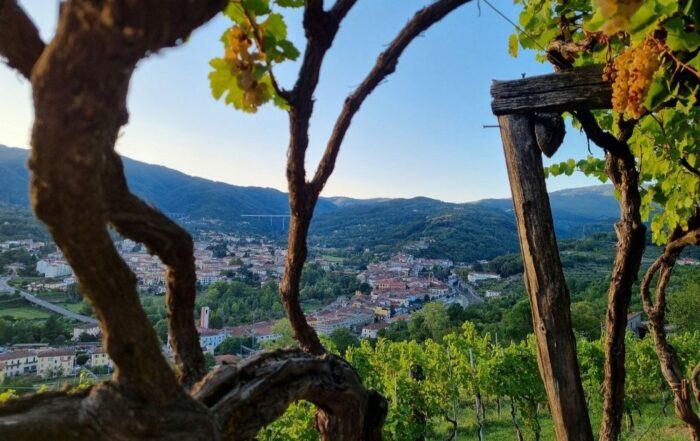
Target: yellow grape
{"points": [[633, 72], [617, 13]]}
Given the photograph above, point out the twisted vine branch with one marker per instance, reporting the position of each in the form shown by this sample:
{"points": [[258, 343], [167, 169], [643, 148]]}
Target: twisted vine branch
{"points": [[232, 403], [630, 230], [321, 28], [20, 43], [79, 86], [656, 311], [138, 221]]}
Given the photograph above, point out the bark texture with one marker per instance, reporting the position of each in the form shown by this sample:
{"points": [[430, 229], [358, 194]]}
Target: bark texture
{"points": [[656, 311], [622, 171], [544, 279], [630, 248], [231, 404], [20, 43], [79, 86], [321, 27]]}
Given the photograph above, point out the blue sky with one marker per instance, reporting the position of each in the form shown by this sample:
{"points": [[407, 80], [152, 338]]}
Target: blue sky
{"points": [[419, 133]]}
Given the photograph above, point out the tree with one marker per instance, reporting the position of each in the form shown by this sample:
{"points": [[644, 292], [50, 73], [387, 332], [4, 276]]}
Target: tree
{"points": [[209, 361], [655, 308], [517, 323], [435, 320], [342, 338], [234, 345], [51, 330], [584, 320], [82, 358], [683, 307], [244, 77]]}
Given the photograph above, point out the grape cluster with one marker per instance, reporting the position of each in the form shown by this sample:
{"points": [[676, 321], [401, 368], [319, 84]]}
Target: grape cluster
{"points": [[632, 74], [243, 59], [617, 13]]}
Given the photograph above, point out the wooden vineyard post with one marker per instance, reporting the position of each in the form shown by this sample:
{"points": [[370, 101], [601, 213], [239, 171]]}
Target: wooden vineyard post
{"points": [[544, 279]]}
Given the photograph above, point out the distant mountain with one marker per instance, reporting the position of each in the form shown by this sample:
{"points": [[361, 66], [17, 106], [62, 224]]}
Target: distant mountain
{"points": [[464, 232], [171, 191], [586, 203], [430, 228], [576, 211], [14, 176], [342, 201]]}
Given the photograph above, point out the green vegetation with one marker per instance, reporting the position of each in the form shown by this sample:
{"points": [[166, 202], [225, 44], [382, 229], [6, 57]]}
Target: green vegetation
{"points": [[24, 313], [48, 328], [19, 256], [469, 382], [449, 227], [16, 222], [241, 302]]}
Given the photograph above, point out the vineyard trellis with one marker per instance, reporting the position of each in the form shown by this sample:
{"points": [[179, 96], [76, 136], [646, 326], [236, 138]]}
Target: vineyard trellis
{"points": [[529, 114]]}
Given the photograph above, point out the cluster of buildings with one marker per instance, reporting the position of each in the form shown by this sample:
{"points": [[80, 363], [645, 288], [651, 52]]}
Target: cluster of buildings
{"points": [[57, 285], [53, 266], [401, 266], [28, 245], [41, 361], [255, 255], [400, 286]]}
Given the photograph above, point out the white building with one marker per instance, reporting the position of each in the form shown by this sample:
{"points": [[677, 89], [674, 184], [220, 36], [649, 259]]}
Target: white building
{"points": [[15, 363], [206, 278], [261, 332], [327, 325], [210, 339], [88, 328], [480, 277], [53, 268], [55, 362], [371, 330], [100, 358]]}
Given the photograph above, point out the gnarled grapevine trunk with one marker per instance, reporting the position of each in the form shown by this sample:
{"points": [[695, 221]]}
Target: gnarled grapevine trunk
{"points": [[631, 238], [656, 310]]}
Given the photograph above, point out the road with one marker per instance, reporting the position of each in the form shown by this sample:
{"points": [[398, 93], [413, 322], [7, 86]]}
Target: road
{"points": [[467, 291], [44, 304]]}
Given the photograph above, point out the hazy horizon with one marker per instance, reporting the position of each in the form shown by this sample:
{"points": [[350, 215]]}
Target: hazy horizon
{"points": [[419, 133], [331, 196]]}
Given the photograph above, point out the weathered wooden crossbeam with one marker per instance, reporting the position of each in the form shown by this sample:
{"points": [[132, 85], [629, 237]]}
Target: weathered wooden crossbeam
{"points": [[516, 103], [580, 88]]}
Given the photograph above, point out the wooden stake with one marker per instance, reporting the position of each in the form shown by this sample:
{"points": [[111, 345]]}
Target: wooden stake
{"points": [[544, 279]]}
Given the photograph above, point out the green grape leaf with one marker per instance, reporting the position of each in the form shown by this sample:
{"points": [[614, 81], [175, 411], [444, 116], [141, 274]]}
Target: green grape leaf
{"points": [[288, 49], [658, 91], [235, 12], [220, 78], [695, 62], [595, 22], [256, 7], [679, 40], [513, 45], [290, 3], [275, 26]]}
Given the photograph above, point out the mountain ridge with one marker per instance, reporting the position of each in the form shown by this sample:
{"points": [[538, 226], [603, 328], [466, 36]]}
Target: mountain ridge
{"points": [[338, 219]]}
